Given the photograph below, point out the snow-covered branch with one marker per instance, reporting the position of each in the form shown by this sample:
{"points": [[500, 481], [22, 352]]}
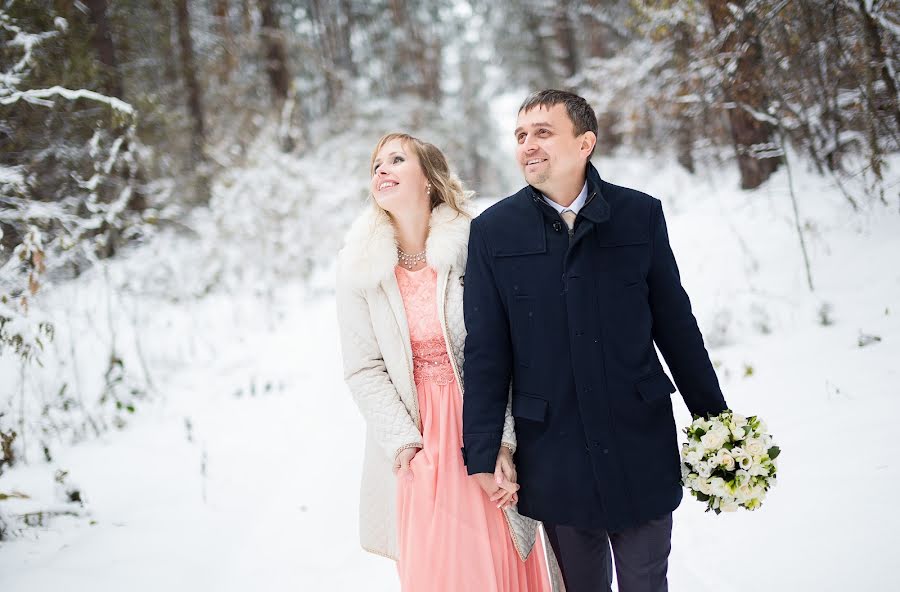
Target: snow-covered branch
{"points": [[39, 96]]}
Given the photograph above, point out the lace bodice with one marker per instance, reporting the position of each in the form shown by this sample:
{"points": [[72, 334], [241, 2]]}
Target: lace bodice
{"points": [[431, 361]]}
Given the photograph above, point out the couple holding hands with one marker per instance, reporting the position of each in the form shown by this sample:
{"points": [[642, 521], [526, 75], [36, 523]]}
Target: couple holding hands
{"points": [[506, 370]]}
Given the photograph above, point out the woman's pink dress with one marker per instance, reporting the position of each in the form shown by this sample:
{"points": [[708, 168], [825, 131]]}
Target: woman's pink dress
{"points": [[451, 537]]}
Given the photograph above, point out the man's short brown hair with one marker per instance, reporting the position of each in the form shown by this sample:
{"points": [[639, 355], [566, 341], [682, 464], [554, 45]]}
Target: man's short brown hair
{"points": [[579, 111]]}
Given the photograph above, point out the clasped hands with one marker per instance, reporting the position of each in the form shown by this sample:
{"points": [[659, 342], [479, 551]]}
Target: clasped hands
{"points": [[500, 486]]}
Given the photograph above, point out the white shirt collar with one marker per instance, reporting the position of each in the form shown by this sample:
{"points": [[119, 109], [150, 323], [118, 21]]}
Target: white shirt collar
{"points": [[575, 206]]}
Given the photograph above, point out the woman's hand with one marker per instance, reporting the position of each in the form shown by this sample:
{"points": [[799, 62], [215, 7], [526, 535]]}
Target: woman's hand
{"points": [[401, 463]]}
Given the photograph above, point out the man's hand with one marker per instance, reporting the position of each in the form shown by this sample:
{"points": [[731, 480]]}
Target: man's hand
{"points": [[401, 463]]}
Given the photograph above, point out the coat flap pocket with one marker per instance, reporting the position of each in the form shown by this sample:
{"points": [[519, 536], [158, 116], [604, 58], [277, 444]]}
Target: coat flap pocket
{"points": [[655, 387], [528, 407], [511, 240]]}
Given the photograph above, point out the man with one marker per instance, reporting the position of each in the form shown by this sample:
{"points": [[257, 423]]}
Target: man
{"points": [[568, 285]]}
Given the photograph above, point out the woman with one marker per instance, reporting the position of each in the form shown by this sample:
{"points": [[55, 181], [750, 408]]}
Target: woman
{"points": [[399, 297]]}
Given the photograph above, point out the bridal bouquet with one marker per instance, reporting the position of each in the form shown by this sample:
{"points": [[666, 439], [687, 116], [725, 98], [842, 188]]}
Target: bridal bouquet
{"points": [[728, 461]]}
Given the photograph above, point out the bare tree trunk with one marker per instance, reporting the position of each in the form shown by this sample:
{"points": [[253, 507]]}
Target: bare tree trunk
{"points": [[227, 62], [330, 37], [684, 130], [347, 25], [878, 65], [246, 18], [164, 17], [194, 94], [599, 40], [279, 77], [276, 54], [421, 59], [564, 30], [106, 50], [548, 77], [745, 88]]}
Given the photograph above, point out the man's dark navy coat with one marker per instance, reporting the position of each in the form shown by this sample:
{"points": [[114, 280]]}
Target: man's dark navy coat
{"points": [[569, 320]]}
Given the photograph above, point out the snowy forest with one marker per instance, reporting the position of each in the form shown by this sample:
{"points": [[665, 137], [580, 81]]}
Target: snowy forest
{"points": [[176, 178]]}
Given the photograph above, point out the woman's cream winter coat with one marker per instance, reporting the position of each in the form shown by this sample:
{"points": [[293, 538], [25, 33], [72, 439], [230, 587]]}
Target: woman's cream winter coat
{"points": [[378, 364]]}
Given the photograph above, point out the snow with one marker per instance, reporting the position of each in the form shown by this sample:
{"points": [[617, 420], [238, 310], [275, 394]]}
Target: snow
{"points": [[243, 472]]}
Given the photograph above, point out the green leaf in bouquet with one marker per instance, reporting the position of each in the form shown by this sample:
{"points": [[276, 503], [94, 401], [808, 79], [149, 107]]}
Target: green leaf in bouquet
{"points": [[699, 433], [701, 496], [773, 452]]}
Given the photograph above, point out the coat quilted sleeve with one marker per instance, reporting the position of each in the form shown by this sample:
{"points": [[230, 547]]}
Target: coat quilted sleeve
{"points": [[386, 416], [509, 426]]}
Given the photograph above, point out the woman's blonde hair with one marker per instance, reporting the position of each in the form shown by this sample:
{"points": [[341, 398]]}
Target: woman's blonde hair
{"points": [[446, 187]]}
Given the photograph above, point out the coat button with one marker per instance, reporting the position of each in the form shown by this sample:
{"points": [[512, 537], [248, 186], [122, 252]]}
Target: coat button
{"points": [[557, 226], [606, 451]]}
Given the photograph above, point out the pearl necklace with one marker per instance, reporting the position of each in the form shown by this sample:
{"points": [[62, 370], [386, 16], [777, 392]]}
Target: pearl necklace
{"points": [[409, 261]]}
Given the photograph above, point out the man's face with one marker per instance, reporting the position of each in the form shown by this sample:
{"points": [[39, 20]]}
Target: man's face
{"points": [[548, 149]]}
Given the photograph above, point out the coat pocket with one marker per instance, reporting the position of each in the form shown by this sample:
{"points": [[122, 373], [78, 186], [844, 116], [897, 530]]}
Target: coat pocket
{"points": [[655, 387], [528, 407]]}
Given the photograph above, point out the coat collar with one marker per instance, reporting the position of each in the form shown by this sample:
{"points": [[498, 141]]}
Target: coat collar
{"points": [[597, 208], [370, 248]]}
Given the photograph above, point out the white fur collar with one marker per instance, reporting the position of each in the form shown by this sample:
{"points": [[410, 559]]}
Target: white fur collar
{"points": [[370, 247]]}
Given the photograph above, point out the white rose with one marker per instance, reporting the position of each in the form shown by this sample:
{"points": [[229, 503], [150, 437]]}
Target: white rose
{"points": [[742, 477], [754, 446], [712, 440], [739, 420], [724, 459], [737, 433]]}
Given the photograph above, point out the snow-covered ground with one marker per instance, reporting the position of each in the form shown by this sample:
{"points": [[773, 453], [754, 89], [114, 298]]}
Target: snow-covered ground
{"points": [[244, 473]]}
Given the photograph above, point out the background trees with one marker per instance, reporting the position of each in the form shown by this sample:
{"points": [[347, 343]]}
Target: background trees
{"points": [[118, 119]]}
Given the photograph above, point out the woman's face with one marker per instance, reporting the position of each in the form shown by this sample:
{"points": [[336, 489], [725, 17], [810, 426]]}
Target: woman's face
{"points": [[397, 178]]}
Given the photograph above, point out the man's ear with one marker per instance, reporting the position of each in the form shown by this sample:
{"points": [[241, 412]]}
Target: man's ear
{"points": [[588, 141]]}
